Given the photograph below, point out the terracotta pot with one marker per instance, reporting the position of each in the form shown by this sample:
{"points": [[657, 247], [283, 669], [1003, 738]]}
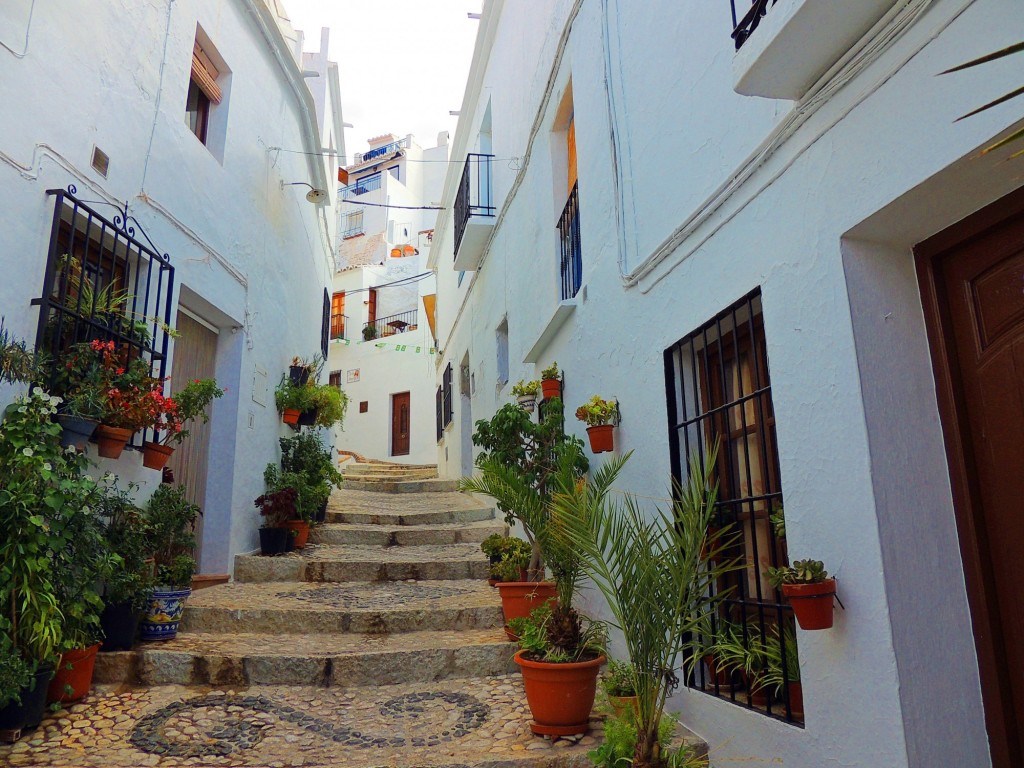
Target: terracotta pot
{"points": [[623, 704], [155, 455], [74, 672], [796, 698], [812, 603], [163, 613], [601, 438], [560, 696], [551, 388], [720, 676], [291, 416], [301, 528], [112, 440], [519, 598], [492, 581]]}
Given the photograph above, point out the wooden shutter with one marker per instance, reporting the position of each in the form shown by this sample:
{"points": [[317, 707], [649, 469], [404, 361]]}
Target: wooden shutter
{"points": [[439, 405], [572, 153], [325, 325], [338, 315], [205, 74], [372, 316]]}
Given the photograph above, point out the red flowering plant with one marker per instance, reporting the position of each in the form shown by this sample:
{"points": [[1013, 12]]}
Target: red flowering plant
{"points": [[114, 383], [189, 403]]}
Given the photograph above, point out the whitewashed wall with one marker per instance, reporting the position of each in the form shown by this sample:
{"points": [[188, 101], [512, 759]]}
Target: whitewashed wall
{"points": [[251, 258], [824, 227]]}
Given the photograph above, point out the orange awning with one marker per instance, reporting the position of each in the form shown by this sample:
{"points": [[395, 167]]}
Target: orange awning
{"points": [[430, 307]]}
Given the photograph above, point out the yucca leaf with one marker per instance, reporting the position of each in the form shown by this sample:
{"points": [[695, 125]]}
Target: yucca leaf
{"points": [[1015, 136], [1000, 100], [1009, 50]]}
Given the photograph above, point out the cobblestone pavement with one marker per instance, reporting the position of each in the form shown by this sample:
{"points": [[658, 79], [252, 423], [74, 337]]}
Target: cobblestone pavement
{"points": [[456, 722], [345, 500]]}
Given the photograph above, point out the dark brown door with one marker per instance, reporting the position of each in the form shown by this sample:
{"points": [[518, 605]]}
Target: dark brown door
{"points": [[400, 424], [973, 285]]}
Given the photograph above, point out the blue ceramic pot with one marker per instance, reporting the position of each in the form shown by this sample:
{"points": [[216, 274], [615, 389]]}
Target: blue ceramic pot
{"points": [[163, 613]]}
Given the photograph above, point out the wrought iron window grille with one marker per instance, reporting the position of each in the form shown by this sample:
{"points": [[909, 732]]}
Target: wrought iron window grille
{"points": [[474, 195], [743, 26], [339, 323], [570, 263], [718, 389], [101, 281]]}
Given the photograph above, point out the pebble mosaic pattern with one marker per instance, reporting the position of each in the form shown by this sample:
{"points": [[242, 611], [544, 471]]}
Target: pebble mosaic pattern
{"points": [[374, 598]]}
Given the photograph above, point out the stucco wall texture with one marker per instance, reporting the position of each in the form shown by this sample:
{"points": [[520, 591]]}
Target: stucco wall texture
{"points": [[691, 196]]}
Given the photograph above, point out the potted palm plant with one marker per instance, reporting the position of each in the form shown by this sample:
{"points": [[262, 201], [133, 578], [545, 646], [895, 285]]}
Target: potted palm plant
{"points": [[525, 393], [599, 415], [647, 566], [551, 381], [170, 521], [809, 589]]}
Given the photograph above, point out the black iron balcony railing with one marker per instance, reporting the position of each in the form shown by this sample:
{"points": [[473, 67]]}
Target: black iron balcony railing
{"points": [[390, 325], [338, 324], [361, 187], [474, 197], [743, 25], [571, 260]]}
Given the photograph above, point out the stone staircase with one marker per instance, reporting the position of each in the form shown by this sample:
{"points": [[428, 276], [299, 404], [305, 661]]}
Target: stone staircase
{"points": [[379, 644]]}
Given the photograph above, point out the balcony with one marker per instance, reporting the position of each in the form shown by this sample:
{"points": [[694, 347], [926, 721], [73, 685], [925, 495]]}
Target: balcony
{"points": [[361, 187], [783, 47], [381, 151], [391, 325], [474, 212], [338, 325], [570, 264]]}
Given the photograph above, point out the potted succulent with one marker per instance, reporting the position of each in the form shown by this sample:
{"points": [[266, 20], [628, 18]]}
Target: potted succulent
{"points": [[551, 381], [646, 564], [292, 400], [170, 521], [619, 686], [525, 393], [809, 589], [174, 414], [127, 589], [599, 415], [277, 507], [369, 332]]}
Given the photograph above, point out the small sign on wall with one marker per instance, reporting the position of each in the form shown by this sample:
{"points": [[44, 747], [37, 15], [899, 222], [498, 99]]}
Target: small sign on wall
{"points": [[352, 376]]}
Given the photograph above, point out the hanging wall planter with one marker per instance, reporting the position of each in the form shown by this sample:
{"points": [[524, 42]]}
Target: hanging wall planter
{"points": [[291, 416], [155, 455], [75, 430], [601, 438], [308, 418], [112, 440], [299, 374], [527, 402], [812, 603]]}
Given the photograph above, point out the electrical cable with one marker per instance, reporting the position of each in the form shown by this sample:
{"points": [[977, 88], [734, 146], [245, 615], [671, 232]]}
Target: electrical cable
{"points": [[402, 207]]}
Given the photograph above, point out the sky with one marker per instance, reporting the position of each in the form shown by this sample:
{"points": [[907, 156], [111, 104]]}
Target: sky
{"points": [[402, 64]]}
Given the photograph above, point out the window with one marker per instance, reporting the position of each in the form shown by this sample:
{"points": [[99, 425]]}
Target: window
{"points": [[325, 325], [501, 339], [352, 225], [203, 92], [338, 315], [334, 379], [371, 313], [394, 171], [720, 390], [563, 143]]}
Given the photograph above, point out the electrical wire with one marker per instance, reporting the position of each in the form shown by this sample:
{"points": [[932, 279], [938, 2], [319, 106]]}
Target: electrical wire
{"points": [[404, 282], [383, 158], [402, 207]]}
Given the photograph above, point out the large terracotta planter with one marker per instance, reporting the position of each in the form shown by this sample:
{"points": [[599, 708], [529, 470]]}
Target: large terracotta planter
{"points": [[812, 603], [561, 696], [155, 455], [75, 673], [291, 416], [551, 388], [163, 614], [301, 528], [112, 440], [796, 697], [601, 438], [519, 598]]}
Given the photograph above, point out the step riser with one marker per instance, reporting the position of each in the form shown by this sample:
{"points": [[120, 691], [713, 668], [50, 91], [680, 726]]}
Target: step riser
{"points": [[406, 538], [403, 486], [404, 474], [366, 622], [370, 669], [263, 569], [439, 517]]}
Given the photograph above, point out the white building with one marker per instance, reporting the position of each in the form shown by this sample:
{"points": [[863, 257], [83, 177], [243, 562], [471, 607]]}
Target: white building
{"points": [[199, 116], [382, 342], [796, 235]]}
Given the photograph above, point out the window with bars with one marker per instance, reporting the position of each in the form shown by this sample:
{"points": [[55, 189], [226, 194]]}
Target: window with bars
{"points": [[443, 402], [719, 391], [352, 226]]}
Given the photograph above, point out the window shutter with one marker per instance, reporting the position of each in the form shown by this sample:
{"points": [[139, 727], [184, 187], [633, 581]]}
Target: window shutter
{"points": [[448, 410], [205, 74], [439, 406], [572, 153], [372, 312], [325, 325]]}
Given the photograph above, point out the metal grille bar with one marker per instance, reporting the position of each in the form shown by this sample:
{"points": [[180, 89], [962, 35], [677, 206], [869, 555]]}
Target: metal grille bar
{"points": [[570, 263], [338, 324], [718, 389], [744, 26], [392, 324], [474, 195]]}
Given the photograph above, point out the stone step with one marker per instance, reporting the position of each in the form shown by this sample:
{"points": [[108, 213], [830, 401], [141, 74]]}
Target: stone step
{"points": [[403, 486], [472, 723], [372, 472], [370, 508], [439, 516], [369, 607], [407, 535], [312, 659], [341, 563]]}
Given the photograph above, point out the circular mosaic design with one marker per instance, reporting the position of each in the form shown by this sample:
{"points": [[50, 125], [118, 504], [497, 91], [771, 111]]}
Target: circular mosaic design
{"points": [[217, 725], [373, 598]]}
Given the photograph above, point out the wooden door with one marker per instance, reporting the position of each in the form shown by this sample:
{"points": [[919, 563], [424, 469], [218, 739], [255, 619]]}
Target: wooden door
{"points": [[972, 279], [195, 352], [338, 315], [371, 316], [400, 421]]}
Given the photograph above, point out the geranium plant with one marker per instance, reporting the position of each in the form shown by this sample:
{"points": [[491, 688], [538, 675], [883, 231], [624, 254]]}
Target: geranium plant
{"points": [[184, 407], [597, 411]]}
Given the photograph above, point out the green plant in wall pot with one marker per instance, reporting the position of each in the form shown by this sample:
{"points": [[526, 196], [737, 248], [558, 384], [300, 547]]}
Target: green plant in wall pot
{"points": [[551, 381], [600, 416], [331, 404], [525, 393], [809, 589], [292, 400], [170, 523]]}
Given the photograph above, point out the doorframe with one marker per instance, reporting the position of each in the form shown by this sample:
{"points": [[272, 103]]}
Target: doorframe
{"points": [[391, 427], [996, 694]]}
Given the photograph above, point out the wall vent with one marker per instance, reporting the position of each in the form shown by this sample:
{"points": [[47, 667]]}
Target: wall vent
{"points": [[100, 161]]}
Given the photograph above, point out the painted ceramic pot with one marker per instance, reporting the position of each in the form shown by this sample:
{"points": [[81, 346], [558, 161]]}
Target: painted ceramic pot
{"points": [[163, 614]]}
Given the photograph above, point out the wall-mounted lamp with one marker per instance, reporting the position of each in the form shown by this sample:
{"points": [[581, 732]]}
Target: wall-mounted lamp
{"points": [[315, 196]]}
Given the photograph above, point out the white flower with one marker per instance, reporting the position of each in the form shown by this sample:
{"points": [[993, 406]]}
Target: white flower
{"points": [[37, 391], [23, 409], [71, 449], [27, 451], [46, 466], [109, 477]]}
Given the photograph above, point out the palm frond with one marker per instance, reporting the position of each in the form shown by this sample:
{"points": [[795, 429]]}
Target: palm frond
{"points": [[1009, 50]]}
